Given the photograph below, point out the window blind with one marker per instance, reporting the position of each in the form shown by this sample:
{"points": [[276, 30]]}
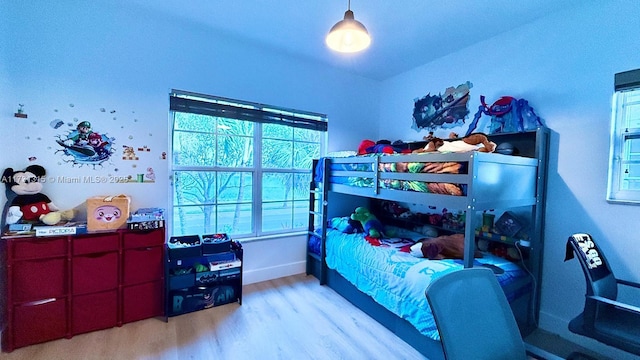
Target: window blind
{"points": [[627, 80], [221, 107]]}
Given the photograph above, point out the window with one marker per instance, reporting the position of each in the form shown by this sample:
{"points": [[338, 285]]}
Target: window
{"points": [[241, 168], [624, 161]]}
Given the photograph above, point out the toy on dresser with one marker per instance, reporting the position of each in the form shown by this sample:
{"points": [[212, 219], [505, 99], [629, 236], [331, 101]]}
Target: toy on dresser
{"points": [[25, 201], [146, 219]]}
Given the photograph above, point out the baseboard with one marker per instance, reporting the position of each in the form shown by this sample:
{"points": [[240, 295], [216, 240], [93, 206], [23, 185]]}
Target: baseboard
{"points": [[273, 272]]}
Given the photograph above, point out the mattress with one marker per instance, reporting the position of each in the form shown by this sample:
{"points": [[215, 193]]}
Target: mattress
{"points": [[398, 280]]}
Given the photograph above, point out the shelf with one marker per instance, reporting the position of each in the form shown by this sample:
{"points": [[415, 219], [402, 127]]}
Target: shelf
{"points": [[496, 237], [205, 289]]}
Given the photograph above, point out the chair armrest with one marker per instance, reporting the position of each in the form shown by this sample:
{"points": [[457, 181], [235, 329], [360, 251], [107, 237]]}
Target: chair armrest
{"points": [[627, 307], [628, 283]]}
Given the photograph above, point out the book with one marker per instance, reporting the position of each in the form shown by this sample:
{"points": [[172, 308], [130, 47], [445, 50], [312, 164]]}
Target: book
{"points": [[145, 225], [63, 230]]}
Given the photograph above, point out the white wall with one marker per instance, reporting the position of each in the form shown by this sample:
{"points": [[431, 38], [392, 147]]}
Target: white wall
{"points": [[564, 65], [118, 57]]}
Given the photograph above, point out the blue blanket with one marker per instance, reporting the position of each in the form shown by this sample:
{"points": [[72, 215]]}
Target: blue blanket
{"points": [[398, 280]]}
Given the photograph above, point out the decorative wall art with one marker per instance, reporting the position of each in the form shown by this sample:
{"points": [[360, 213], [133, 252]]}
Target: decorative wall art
{"points": [[94, 145], [446, 110]]}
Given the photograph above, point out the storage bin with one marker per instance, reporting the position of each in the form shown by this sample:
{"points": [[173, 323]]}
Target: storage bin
{"points": [[94, 272], [94, 312], [39, 321], [181, 247], [199, 298], [143, 238], [107, 212], [221, 257], [218, 276], [91, 244], [182, 281], [142, 301], [39, 279], [215, 243], [37, 248], [142, 264]]}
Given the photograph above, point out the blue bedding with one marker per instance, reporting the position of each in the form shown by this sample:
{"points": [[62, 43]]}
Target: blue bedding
{"points": [[397, 280]]}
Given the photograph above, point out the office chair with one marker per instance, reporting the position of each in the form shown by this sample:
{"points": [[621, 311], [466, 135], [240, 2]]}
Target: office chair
{"points": [[473, 317], [603, 318]]}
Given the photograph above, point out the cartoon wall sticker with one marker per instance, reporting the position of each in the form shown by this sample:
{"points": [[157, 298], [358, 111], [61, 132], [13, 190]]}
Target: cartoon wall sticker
{"points": [[56, 123], [128, 153], [150, 175], [442, 111], [85, 137], [20, 113], [85, 146]]}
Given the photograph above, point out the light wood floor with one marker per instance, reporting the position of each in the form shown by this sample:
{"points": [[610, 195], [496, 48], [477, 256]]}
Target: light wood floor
{"points": [[288, 318]]}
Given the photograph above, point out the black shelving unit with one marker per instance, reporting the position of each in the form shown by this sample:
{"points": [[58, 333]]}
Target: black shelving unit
{"points": [[197, 281]]}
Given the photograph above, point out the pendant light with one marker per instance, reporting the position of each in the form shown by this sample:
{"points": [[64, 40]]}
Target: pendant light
{"points": [[348, 35]]}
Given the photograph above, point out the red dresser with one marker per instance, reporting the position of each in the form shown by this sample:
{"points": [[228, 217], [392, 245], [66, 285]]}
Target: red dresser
{"points": [[57, 287]]}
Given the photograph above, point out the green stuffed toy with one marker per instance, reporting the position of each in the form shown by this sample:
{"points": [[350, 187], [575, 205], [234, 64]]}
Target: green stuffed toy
{"points": [[371, 225]]}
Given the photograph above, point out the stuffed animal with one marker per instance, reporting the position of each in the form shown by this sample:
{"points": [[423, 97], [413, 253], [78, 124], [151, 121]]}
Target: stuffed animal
{"points": [[441, 247], [25, 200], [381, 147], [371, 225], [473, 142], [346, 225]]}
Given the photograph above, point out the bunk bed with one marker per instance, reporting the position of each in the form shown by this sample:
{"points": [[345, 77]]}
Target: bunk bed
{"points": [[472, 182]]}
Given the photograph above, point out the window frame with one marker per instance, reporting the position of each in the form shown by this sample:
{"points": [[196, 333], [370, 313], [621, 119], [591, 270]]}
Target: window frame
{"points": [[625, 84], [259, 115]]}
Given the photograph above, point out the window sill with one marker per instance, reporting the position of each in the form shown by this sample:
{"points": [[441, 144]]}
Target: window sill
{"points": [[271, 237]]}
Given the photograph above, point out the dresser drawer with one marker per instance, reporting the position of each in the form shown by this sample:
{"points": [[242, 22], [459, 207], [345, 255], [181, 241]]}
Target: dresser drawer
{"points": [[94, 312], [143, 238], [142, 265], [39, 322], [39, 279], [91, 244], [37, 248], [142, 301], [94, 272]]}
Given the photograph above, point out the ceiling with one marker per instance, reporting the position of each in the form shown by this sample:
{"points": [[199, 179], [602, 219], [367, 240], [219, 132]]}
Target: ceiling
{"points": [[405, 33]]}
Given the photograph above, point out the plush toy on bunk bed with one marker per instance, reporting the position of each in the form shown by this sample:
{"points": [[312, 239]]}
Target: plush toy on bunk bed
{"points": [[370, 223], [381, 147], [25, 202], [441, 247], [473, 142]]}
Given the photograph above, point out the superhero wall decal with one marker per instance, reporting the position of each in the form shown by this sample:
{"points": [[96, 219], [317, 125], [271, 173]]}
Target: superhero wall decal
{"points": [[446, 110]]}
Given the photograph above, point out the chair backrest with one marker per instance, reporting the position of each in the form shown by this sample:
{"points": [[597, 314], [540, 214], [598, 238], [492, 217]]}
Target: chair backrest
{"points": [[473, 316], [600, 280]]}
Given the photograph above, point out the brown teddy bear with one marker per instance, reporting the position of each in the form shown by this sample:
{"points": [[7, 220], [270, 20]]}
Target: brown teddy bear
{"points": [[441, 247], [473, 142]]}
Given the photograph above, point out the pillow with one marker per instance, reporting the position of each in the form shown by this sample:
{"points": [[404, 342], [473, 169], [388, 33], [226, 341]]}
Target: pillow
{"points": [[441, 247]]}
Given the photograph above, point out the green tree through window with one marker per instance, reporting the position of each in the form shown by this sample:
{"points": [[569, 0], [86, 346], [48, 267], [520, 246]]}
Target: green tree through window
{"points": [[241, 168]]}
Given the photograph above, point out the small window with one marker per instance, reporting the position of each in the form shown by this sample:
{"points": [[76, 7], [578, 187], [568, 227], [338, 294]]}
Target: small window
{"points": [[624, 159]]}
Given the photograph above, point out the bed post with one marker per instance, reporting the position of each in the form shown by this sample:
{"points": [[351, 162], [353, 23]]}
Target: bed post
{"points": [[469, 216], [324, 209]]}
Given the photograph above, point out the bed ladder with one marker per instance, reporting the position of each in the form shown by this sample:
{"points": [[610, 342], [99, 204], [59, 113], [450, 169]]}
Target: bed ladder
{"points": [[317, 211]]}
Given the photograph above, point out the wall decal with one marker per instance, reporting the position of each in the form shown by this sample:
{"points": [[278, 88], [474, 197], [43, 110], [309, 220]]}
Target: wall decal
{"points": [[20, 113], [84, 146], [446, 110]]}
